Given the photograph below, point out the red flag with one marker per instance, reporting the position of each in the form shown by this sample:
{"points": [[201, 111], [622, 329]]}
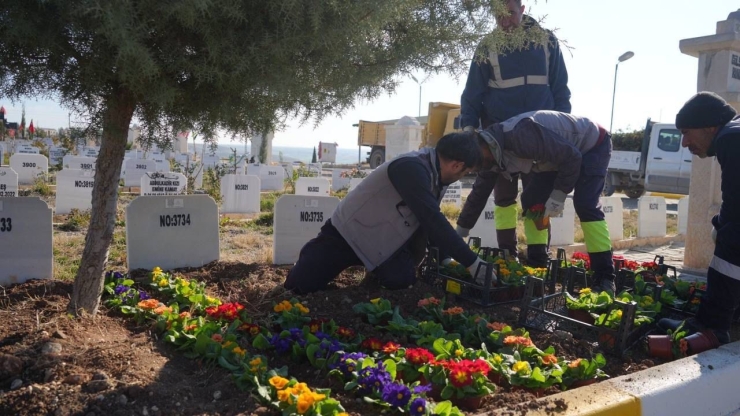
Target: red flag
{"points": [[2, 110], [30, 128]]}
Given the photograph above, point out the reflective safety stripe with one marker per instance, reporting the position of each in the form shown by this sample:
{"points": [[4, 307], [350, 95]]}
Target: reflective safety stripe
{"points": [[725, 267], [533, 235], [499, 82], [505, 217], [596, 235]]}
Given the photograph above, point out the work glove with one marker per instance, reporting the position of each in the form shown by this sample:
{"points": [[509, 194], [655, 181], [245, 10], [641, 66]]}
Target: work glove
{"points": [[468, 128], [462, 232], [479, 273], [555, 204], [714, 235], [447, 261]]}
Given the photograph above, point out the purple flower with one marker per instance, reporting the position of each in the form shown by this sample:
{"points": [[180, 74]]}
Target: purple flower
{"points": [[108, 274], [372, 379], [396, 394], [143, 295], [422, 388], [121, 289], [418, 407], [117, 275], [297, 336], [347, 363], [281, 345]]}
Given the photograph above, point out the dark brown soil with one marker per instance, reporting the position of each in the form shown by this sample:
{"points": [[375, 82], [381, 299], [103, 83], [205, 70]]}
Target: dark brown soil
{"points": [[109, 366]]}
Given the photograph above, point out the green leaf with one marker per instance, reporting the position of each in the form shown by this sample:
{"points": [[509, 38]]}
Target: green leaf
{"points": [[260, 342], [447, 392], [223, 362], [443, 408], [311, 350]]}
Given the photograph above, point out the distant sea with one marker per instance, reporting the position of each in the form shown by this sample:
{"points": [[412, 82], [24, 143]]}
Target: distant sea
{"points": [[347, 155]]}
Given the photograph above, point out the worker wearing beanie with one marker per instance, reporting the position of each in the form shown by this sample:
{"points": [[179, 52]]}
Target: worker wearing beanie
{"points": [[711, 127]]}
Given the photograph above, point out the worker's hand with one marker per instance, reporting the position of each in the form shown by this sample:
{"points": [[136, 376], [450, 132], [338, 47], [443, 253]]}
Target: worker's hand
{"points": [[478, 271], [468, 128], [714, 235], [555, 204], [462, 232]]}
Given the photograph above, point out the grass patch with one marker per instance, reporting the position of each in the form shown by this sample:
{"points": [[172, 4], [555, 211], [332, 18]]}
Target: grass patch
{"points": [[451, 211], [267, 201], [76, 221]]}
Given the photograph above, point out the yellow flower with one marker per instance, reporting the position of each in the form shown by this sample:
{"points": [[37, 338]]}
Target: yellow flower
{"points": [[343, 414], [619, 313], [647, 300], [521, 367], [255, 362], [585, 291], [518, 273], [239, 351], [286, 305], [300, 388], [157, 270], [163, 282], [458, 353], [302, 309], [278, 308], [284, 396], [375, 301], [453, 263], [279, 383], [498, 359], [305, 401]]}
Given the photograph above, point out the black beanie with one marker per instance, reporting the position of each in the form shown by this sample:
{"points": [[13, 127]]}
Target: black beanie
{"points": [[705, 109]]}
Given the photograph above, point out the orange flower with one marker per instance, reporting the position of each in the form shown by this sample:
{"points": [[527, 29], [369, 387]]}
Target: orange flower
{"points": [[574, 364], [191, 327], [549, 359], [159, 310], [453, 311], [683, 345], [390, 347], [278, 382], [514, 340], [148, 304], [184, 315], [496, 326], [428, 301]]}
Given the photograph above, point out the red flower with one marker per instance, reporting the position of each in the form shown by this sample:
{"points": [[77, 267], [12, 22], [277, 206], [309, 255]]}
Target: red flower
{"points": [[251, 329], [372, 344], [390, 347], [227, 311], [315, 324], [344, 332], [419, 356]]}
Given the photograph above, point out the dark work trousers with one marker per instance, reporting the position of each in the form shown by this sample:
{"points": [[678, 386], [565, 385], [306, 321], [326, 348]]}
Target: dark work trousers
{"points": [[722, 298], [586, 194], [324, 257]]}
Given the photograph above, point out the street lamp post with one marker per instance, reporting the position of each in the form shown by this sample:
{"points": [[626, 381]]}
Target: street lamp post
{"points": [[625, 56], [419, 83]]}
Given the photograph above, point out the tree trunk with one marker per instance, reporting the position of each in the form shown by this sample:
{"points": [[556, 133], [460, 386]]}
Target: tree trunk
{"points": [[88, 285]]}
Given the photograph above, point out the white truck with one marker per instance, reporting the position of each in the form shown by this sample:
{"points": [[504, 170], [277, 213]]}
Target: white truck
{"points": [[661, 166]]}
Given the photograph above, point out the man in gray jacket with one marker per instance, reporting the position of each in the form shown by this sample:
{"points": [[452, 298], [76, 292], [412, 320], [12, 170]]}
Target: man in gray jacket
{"points": [[385, 222], [565, 153]]}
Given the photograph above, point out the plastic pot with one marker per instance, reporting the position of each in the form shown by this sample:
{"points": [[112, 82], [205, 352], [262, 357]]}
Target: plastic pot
{"points": [[495, 377], [581, 315], [542, 223], [660, 346], [468, 403], [701, 341]]}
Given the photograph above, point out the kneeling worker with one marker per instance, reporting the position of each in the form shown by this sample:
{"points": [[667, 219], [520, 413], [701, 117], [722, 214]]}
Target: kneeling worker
{"points": [[565, 153], [385, 222]]}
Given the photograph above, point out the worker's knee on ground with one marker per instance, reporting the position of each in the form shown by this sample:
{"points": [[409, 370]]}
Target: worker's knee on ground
{"points": [[505, 217], [596, 236], [533, 235], [299, 283]]}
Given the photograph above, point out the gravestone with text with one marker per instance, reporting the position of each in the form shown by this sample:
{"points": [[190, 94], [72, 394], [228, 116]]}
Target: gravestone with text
{"points": [[29, 167], [613, 215], [8, 182], [272, 178], [74, 190], [338, 182], [90, 152], [171, 232], [453, 195], [240, 194], [485, 227], [56, 154], [26, 250], [81, 163], [27, 149], [312, 186], [298, 219], [562, 227], [651, 216], [163, 183], [136, 169]]}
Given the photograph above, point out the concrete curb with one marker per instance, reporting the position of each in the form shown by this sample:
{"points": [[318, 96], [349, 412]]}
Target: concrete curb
{"points": [[703, 384], [626, 244]]}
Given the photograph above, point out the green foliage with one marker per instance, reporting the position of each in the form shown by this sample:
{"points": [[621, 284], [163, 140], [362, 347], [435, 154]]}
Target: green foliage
{"points": [[628, 140], [41, 186], [76, 220]]}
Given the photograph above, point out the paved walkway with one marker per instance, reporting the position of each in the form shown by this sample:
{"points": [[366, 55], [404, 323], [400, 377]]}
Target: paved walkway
{"points": [[672, 255]]}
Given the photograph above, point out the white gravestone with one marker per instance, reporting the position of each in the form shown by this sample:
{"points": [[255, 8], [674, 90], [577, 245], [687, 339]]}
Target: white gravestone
{"points": [[683, 215], [240, 194], [2, 153], [163, 183], [651, 216], [171, 232], [29, 167], [136, 169], [163, 166], [453, 195], [298, 219], [562, 227], [288, 169], [81, 163], [56, 155], [27, 149], [90, 152], [74, 190], [25, 240], [353, 182], [337, 181], [315, 168], [8, 182], [253, 169], [485, 227], [613, 215], [210, 161], [272, 178], [312, 186]]}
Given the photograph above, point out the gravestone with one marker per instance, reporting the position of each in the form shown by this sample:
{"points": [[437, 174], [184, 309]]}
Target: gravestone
{"points": [[485, 227], [171, 232], [298, 219], [210, 161], [2, 154], [312, 186], [26, 250], [683, 215], [80, 162], [562, 227], [163, 166], [272, 178], [337, 181], [163, 183], [288, 169], [29, 167], [56, 155], [136, 169], [254, 169], [613, 214], [240, 194], [74, 190], [453, 195], [353, 182], [8, 182], [27, 149], [327, 152], [315, 168], [90, 152], [651, 216]]}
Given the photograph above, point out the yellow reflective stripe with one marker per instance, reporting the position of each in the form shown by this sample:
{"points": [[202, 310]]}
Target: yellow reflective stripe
{"points": [[596, 235], [505, 217], [533, 235]]}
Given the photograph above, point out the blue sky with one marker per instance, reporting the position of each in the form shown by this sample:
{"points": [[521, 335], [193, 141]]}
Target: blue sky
{"points": [[655, 83]]}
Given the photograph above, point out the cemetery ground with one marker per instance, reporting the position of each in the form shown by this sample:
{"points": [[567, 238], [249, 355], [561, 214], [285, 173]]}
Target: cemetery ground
{"points": [[112, 366]]}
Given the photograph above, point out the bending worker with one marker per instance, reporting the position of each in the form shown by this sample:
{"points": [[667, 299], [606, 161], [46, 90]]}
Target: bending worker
{"points": [[564, 153]]}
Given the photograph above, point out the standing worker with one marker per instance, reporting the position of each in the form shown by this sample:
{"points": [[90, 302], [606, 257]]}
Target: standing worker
{"points": [[501, 86], [711, 127]]}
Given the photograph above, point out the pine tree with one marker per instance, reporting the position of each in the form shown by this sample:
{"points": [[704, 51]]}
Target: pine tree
{"points": [[313, 158]]}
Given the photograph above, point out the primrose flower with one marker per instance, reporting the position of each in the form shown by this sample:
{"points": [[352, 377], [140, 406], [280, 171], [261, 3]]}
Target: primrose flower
{"points": [[285, 396], [217, 337], [585, 291], [278, 382], [121, 289], [143, 295], [163, 282], [148, 304], [396, 394], [419, 356], [390, 347], [418, 407], [521, 367], [453, 311], [496, 326], [375, 301], [574, 363], [372, 344], [549, 359], [514, 340]]}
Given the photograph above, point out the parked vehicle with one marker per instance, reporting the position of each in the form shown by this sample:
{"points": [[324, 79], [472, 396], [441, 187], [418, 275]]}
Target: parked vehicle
{"points": [[661, 166]]}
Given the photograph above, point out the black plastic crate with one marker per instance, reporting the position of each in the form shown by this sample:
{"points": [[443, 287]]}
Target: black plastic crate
{"points": [[550, 313], [626, 278], [558, 271]]}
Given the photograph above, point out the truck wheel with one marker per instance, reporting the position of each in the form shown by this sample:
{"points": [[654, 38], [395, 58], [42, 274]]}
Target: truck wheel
{"points": [[609, 187], [635, 193], [377, 157]]}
